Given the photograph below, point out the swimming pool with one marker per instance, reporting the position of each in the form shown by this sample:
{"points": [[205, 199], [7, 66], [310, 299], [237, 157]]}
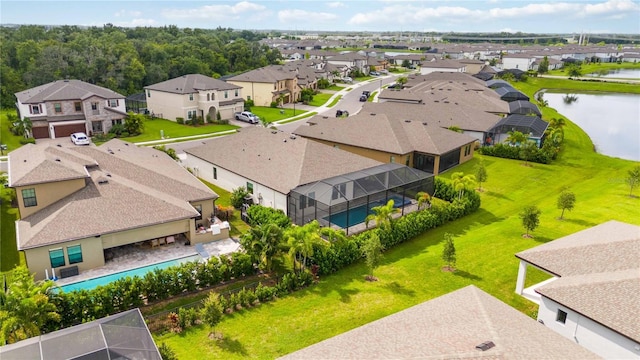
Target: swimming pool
{"points": [[140, 272], [358, 214]]}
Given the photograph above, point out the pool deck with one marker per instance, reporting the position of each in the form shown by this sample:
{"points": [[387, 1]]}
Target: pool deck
{"points": [[131, 257]]}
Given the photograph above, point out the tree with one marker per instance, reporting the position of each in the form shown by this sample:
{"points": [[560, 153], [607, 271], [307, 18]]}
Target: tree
{"points": [[462, 182], [481, 174], [166, 352], [543, 67], [211, 312], [306, 95], [530, 218], [27, 306], [540, 99], [263, 242], [516, 137], [566, 201], [300, 240], [527, 151], [423, 198], [402, 80], [633, 179], [372, 252], [574, 71], [237, 196], [134, 123], [382, 214], [557, 123], [406, 63], [449, 252], [20, 127]]}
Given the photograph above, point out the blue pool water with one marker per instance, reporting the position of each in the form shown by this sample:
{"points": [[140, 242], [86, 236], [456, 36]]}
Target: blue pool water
{"points": [[358, 214], [140, 272]]}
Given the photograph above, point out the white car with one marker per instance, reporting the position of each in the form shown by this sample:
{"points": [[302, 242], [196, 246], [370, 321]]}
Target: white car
{"points": [[80, 138]]}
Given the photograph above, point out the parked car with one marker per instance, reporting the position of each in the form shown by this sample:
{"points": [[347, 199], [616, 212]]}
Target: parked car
{"points": [[364, 98], [374, 73], [384, 71], [395, 86], [347, 79], [80, 138], [247, 116], [342, 113]]}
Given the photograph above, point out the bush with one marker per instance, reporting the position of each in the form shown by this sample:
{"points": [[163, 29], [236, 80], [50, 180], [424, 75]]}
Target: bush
{"points": [[265, 293], [323, 83], [25, 141], [180, 120], [262, 215], [237, 196], [248, 104], [542, 156], [117, 130], [273, 104], [187, 317]]}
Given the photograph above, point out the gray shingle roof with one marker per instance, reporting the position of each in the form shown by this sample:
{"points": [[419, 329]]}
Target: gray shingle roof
{"points": [[599, 274], [449, 327], [390, 127], [65, 90], [274, 159], [191, 83], [267, 74]]}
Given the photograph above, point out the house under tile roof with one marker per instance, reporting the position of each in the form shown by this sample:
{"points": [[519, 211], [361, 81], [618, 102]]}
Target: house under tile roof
{"points": [[452, 326], [191, 83], [278, 160], [65, 90], [598, 270]]}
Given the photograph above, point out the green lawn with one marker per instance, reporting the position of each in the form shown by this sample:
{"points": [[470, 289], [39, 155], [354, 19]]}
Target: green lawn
{"points": [[238, 226], [534, 83], [334, 88], [172, 129], [320, 99], [306, 115], [275, 114], [335, 101], [486, 242], [9, 256], [6, 137], [596, 67]]}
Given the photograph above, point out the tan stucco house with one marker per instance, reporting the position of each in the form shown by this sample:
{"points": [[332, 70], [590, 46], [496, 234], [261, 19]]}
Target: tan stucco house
{"points": [[268, 84], [60, 108], [77, 201], [194, 95]]}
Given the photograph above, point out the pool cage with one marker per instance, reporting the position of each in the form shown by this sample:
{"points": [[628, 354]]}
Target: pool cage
{"points": [[345, 201]]}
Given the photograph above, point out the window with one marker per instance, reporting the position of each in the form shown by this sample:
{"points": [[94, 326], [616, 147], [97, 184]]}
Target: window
{"points": [[94, 106], [208, 97], [199, 209], [215, 174], [36, 109], [57, 107], [78, 106], [113, 103], [213, 96], [250, 187], [237, 92], [392, 159], [74, 253], [148, 93], [226, 94], [116, 122], [467, 150], [561, 316], [190, 97], [191, 114], [29, 197], [248, 97], [56, 256]]}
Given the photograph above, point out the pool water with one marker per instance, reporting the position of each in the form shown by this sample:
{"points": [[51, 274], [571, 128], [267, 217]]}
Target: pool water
{"points": [[140, 272], [358, 214]]}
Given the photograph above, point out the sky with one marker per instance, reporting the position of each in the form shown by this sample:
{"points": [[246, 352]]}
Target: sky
{"points": [[308, 16]]}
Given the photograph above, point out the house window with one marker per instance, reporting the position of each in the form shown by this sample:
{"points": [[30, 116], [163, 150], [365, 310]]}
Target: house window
{"points": [[226, 94], [116, 122], [191, 114], [36, 109], [237, 93], [57, 107], [312, 199], [213, 96], [208, 97], [248, 97], [29, 197], [561, 316], [74, 253], [56, 256], [392, 159], [467, 150], [199, 209], [148, 93], [190, 97], [215, 174], [250, 187], [78, 106], [94, 106], [113, 103]]}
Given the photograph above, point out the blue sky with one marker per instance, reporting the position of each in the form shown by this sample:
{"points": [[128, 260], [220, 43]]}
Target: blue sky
{"points": [[568, 16]]}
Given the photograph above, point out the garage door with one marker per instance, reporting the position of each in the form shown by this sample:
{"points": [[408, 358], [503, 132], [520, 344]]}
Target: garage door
{"points": [[66, 130], [41, 132]]}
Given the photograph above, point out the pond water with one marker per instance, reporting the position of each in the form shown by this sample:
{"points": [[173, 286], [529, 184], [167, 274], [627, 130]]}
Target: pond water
{"points": [[611, 120], [619, 73]]}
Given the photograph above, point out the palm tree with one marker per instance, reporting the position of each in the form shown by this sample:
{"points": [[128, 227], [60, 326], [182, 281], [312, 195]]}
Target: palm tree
{"points": [[300, 240], [20, 127], [263, 243], [26, 306], [557, 123], [516, 137], [540, 99], [423, 198], [462, 182], [383, 214]]}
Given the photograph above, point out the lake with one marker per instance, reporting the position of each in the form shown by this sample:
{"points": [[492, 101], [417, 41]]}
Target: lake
{"points": [[611, 120], [619, 73]]}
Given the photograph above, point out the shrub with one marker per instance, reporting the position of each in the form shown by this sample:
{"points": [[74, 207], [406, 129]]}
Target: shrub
{"points": [[200, 120], [273, 104], [180, 120], [542, 156], [25, 141], [248, 104], [265, 293], [237, 196], [187, 317], [262, 215], [117, 129], [209, 119]]}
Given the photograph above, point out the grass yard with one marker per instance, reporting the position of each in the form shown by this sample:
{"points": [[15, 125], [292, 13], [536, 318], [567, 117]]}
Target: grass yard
{"points": [[597, 67], [486, 242], [275, 114], [306, 115], [320, 99], [6, 137], [334, 87], [172, 129], [9, 255], [335, 101], [534, 83], [237, 225]]}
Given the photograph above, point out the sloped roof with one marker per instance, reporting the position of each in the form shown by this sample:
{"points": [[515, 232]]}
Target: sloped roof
{"points": [[449, 327], [598, 274], [192, 83], [60, 90], [498, 83], [267, 74], [508, 93], [527, 124], [523, 107], [277, 159]]}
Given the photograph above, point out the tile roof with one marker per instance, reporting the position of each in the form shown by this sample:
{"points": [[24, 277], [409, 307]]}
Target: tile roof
{"points": [[598, 270], [65, 90], [191, 83], [447, 327], [276, 160]]}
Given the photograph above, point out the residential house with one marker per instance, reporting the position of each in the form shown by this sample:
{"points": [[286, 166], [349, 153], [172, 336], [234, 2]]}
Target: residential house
{"points": [[268, 84], [444, 65], [77, 201], [593, 295], [472, 66], [464, 324], [518, 61], [63, 107], [194, 95], [393, 133], [353, 61], [532, 126]]}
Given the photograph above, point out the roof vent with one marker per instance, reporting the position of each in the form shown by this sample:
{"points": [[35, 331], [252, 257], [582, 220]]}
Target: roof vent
{"points": [[407, 121], [436, 101], [485, 345], [108, 175], [274, 132], [59, 145], [446, 101], [58, 159], [464, 83], [424, 123], [292, 137], [284, 140], [102, 181], [373, 114]]}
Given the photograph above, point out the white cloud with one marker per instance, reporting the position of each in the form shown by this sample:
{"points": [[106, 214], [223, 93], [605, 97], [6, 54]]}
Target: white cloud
{"points": [[289, 16], [127, 13], [620, 7], [535, 9], [336, 4], [136, 23], [414, 15], [508, 30], [217, 12]]}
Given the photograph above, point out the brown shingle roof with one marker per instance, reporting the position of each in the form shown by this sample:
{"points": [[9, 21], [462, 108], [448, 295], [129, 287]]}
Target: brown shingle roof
{"points": [[267, 74], [65, 90], [274, 159], [191, 83], [448, 327]]}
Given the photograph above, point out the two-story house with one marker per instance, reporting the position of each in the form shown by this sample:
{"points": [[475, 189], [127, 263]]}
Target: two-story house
{"points": [[268, 84], [194, 95], [60, 108], [352, 60]]}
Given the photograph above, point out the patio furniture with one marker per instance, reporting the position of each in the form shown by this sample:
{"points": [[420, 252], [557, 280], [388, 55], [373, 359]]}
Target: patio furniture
{"points": [[171, 240], [155, 243], [70, 271], [162, 241]]}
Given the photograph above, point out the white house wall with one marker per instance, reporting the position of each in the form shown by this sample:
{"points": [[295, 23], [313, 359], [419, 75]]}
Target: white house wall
{"points": [[229, 180], [170, 105], [588, 333], [428, 70], [516, 63]]}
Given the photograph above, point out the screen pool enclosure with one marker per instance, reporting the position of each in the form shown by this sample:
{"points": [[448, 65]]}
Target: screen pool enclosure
{"points": [[346, 200], [121, 336]]}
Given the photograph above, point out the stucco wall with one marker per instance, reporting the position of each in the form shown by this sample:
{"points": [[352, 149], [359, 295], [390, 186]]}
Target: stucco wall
{"points": [[47, 194], [260, 93], [170, 105], [588, 333], [464, 158], [92, 257], [144, 233], [377, 155]]}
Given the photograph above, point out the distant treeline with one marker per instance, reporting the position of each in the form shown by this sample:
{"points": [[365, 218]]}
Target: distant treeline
{"points": [[123, 59]]}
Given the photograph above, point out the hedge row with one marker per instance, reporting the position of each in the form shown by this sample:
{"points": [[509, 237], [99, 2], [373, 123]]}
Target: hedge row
{"points": [[342, 253], [542, 156]]}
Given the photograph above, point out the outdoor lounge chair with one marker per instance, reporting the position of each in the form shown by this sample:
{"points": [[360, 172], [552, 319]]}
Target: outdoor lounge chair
{"points": [[202, 251], [171, 240], [154, 243]]}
